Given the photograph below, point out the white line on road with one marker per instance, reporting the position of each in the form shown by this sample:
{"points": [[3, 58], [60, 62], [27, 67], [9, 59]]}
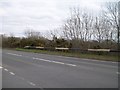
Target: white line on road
{"points": [[55, 62], [71, 65], [118, 72], [6, 69], [45, 60], [14, 54], [114, 62], [31, 83], [12, 73], [1, 67], [42, 59], [58, 62]]}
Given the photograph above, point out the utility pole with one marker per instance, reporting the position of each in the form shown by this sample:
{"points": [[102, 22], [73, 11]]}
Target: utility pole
{"points": [[118, 31], [119, 25], [118, 22]]}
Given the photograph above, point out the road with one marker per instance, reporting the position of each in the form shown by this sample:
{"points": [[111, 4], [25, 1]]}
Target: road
{"points": [[32, 70]]}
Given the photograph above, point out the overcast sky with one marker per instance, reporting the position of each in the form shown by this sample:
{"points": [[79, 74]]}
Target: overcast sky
{"points": [[40, 15]]}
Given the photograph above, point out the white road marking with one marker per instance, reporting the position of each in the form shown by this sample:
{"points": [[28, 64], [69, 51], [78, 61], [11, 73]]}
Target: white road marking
{"points": [[114, 62], [45, 60], [71, 65], [14, 54], [118, 72], [6, 69], [31, 83], [12, 73], [55, 62], [1, 67], [58, 62], [33, 57], [42, 59]]}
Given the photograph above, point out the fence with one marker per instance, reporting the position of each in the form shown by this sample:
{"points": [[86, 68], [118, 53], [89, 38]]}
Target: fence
{"points": [[78, 50]]}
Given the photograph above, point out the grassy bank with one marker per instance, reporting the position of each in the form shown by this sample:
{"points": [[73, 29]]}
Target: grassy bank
{"points": [[78, 55]]}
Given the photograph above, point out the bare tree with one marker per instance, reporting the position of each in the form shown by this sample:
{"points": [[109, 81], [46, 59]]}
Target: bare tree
{"points": [[98, 30], [111, 13], [87, 21], [30, 33], [78, 26]]}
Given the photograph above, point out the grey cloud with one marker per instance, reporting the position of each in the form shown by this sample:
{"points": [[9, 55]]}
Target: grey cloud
{"points": [[40, 15], [4, 4]]}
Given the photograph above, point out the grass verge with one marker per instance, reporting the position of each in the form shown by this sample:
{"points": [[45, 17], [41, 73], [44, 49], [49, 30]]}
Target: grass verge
{"points": [[69, 54]]}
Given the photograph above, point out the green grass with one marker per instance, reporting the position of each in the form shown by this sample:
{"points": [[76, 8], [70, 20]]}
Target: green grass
{"points": [[70, 54]]}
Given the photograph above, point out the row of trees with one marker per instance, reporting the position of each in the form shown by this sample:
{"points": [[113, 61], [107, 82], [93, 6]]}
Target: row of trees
{"points": [[81, 30], [84, 27], [32, 39]]}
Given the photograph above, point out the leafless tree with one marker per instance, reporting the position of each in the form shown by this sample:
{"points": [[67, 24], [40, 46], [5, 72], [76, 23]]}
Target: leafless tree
{"points": [[87, 21], [111, 14], [30, 33], [78, 26]]}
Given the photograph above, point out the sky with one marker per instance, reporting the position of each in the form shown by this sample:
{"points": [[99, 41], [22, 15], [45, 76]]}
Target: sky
{"points": [[40, 15]]}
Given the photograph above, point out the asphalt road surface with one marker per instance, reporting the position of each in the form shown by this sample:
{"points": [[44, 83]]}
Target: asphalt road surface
{"points": [[32, 70]]}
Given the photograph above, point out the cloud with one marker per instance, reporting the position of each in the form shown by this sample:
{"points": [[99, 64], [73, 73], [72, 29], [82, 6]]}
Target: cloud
{"points": [[2, 12], [41, 15]]}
